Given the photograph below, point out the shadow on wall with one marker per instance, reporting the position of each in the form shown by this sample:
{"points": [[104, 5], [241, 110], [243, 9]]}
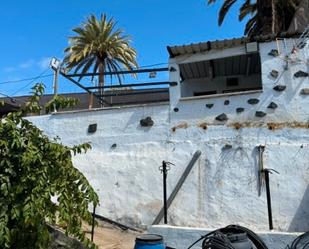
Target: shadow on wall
{"points": [[300, 222], [255, 156]]}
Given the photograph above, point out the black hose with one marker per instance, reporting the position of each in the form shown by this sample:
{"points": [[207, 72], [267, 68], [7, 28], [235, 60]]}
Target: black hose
{"points": [[218, 240], [255, 239], [301, 242], [203, 237]]}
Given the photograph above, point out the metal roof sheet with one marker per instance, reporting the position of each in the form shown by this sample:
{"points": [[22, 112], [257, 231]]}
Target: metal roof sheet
{"points": [[205, 46], [227, 43]]}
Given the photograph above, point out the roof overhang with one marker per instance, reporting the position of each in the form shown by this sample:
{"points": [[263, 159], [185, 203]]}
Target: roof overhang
{"points": [[201, 47], [205, 46]]}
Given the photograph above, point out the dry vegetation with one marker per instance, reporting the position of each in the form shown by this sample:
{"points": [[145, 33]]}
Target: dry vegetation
{"points": [[107, 236]]}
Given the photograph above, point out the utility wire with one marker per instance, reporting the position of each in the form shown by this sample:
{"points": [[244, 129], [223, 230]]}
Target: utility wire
{"points": [[20, 89], [13, 100], [43, 75], [26, 79], [49, 75], [33, 80], [153, 65], [5, 95]]}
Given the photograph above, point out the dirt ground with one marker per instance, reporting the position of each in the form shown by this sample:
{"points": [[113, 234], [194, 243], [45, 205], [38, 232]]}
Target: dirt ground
{"points": [[107, 236]]}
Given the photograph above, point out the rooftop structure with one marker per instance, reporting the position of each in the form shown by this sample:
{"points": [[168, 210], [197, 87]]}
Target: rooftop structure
{"points": [[117, 98]]}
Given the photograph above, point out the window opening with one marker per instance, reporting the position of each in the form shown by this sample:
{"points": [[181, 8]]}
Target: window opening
{"points": [[221, 76]]}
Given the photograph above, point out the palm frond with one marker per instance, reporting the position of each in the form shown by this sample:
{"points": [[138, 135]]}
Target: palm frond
{"points": [[98, 42], [246, 9], [211, 1], [224, 9], [251, 26]]}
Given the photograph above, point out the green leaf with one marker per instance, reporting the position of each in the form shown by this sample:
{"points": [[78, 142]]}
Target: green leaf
{"points": [[32, 169]]}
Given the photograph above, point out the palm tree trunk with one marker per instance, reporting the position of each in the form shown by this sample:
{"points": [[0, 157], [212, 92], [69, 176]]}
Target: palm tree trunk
{"points": [[273, 18], [278, 18], [265, 17], [101, 80]]}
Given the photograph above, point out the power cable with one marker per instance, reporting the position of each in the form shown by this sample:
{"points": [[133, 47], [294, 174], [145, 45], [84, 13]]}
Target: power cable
{"points": [[153, 65], [43, 75], [49, 75], [26, 79], [13, 100], [5, 95], [215, 240], [33, 79]]}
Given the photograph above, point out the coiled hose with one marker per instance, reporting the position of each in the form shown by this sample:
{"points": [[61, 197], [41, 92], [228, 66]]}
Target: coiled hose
{"points": [[301, 242], [218, 240]]}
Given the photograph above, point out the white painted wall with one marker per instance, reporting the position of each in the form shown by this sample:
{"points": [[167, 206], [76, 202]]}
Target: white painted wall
{"points": [[222, 187]]}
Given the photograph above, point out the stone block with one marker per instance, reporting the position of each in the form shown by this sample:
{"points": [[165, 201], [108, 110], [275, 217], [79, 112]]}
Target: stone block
{"points": [[304, 91], [253, 101], [146, 122], [274, 73], [279, 88], [272, 105], [300, 74], [274, 53], [240, 110], [222, 117], [260, 114]]}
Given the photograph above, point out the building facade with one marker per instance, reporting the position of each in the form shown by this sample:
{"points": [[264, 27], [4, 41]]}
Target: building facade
{"points": [[227, 99]]}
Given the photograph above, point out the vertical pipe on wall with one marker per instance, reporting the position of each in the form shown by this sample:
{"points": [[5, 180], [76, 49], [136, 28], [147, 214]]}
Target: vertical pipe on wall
{"points": [[164, 191], [269, 208]]}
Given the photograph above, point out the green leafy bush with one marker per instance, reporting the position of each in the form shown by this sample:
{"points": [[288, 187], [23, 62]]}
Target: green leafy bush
{"points": [[60, 102], [33, 170]]}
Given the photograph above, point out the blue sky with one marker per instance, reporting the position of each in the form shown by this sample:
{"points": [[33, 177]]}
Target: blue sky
{"points": [[33, 31]]}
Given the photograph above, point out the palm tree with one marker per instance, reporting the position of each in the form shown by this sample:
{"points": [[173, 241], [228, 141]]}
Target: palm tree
{"points": [[267, 16], [99, 47]]}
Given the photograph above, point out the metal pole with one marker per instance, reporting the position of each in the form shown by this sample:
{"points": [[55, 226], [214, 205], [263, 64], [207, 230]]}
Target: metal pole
{"points": [[93, 221], [55, 86], [178, 186], [56, 74], [270, 216], [164, 191], [147, 70], [81, 86]]}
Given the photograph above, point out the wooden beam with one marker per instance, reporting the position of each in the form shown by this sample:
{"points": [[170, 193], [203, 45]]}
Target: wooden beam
{"points": [[179, 184], [81, 86], [148, 70], [124, 93], [132, 85], [248, 65], [211, 71]]}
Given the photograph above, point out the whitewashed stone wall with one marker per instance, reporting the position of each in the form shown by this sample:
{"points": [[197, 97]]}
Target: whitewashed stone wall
{"points": [[222, 187]]}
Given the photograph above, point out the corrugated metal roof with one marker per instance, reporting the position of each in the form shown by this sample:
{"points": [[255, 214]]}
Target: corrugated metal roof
{"points": [[205, 46], [227, 43]]}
